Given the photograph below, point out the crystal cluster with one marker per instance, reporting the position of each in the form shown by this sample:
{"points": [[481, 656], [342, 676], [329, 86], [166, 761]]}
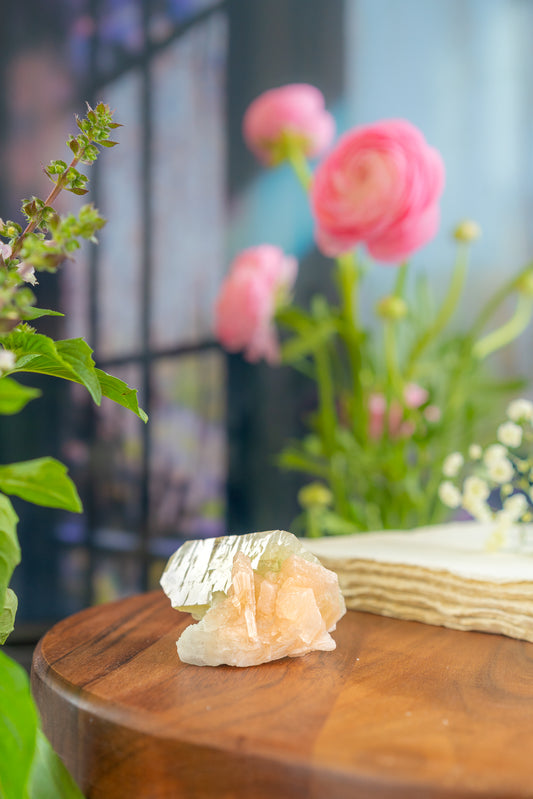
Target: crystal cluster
{"points": [[259, 597]]}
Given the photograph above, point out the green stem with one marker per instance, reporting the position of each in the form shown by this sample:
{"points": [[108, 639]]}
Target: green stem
{"points": [[300, 165], [401, 277], [446, 310], [348, 280], [326, 401], [493, 304], [58, 188], [508, 332], [394, 378]]}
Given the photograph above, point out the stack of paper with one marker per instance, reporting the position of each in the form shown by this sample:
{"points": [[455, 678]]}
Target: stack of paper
{"points": [[440, 575]]}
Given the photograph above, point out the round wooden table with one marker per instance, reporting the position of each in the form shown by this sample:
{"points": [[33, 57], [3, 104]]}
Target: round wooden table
{"points": [[399, 709]]}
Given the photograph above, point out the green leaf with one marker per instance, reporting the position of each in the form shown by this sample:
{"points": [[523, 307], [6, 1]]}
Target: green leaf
{"points": [[121, 393], [9, 545], [77, 353], [29, 768], [70, 359], [13, 396], [18, 729], [298, 347], [35, 313], [49, 779], [7, 615], [333, 524], [295, 460], [43, 481]]}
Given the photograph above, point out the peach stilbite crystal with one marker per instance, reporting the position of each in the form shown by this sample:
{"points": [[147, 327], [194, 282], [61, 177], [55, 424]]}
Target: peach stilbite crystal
{"points": [[284, 607]]}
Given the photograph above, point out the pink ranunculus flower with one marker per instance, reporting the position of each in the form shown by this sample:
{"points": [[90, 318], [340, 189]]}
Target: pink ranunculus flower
{"points": [[259, 280], [296, 110], [379, 186]]}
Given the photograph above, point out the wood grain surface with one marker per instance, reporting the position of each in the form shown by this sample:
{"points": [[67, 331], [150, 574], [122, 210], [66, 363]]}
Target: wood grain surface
{"points": [[399, 709]]}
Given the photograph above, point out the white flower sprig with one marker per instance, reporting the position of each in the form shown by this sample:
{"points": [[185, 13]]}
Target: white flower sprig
{"points": [[495, 484]]}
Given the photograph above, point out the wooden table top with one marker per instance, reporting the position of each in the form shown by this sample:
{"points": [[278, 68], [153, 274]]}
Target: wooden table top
{"points": [[399, 709]]}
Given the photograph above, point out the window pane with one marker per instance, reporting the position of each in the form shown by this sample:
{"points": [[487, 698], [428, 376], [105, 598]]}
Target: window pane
{"points": [[115, 576], [120, 249], [188, 457], [117, 459], [120, 33], [188, 185], [167, 15]]}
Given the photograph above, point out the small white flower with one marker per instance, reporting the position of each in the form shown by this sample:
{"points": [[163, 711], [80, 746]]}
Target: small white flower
{"points": [[449, 494], [452, 464], [478, 509], [7, 360], [495, 453], [27, 273], [475, 452], [501, 471], [515, 506], [510, 434], [519, 410], [5, 250], [475, 488]]}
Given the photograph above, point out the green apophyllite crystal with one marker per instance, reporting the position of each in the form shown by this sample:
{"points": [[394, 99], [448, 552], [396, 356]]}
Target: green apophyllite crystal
{"points": [[201, 569]]}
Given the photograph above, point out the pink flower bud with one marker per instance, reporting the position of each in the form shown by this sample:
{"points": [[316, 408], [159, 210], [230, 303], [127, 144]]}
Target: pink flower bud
{"points": [[295, 111], [379, 186], [259, 280], [414, 396]]}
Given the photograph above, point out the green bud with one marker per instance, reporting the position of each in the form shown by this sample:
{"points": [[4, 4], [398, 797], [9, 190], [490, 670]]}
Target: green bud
{"points": [[467, 231], [525, 283], [315, 495], [392, 308]]}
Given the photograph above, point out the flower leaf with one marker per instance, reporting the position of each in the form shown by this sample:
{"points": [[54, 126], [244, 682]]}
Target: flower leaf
{"points": [[13, 396], [18, 728], [36, 313], [70, 359], [32, 769], [298, 347], [43, 481], [7, 615], [9, 545], [48, 776], [119, 391]]}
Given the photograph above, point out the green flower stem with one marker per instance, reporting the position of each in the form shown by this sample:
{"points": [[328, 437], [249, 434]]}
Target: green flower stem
{"points": [[58, 188], [348, 281], [394, 377], [326, 401], [494, 303], [300, 165], [446, 310], [401, 277], [509, 331]]}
